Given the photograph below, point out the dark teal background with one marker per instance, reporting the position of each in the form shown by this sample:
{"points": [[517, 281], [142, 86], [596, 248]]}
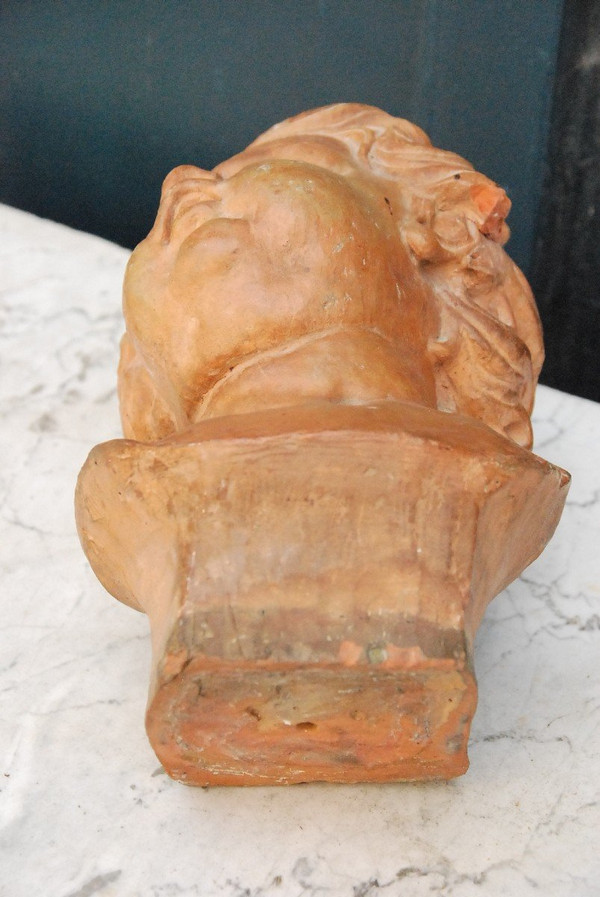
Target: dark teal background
{"points": [[98, 100]]}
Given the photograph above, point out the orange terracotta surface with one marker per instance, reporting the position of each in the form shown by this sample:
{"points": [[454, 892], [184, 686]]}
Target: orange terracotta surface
{"points": [[325, 383]]}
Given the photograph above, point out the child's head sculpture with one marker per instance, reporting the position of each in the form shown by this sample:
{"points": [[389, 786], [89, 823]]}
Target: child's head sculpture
{"points": [[339, 258], [315, 573]]}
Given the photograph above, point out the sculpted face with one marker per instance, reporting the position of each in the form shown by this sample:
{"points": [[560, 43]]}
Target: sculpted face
{"points": [[280, 251], [328, 263], [272, 260]]}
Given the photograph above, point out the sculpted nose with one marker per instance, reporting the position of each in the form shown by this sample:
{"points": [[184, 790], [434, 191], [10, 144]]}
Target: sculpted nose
{"points": [[183, 172], [183, 188]]}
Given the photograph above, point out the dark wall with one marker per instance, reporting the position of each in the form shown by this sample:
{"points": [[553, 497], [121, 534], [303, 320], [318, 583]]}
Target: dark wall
{"points": [[100, 99], [566, 272]]}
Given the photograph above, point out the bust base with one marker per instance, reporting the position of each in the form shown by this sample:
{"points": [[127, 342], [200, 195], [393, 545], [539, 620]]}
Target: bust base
{"points": [[243, 724], [314, 578]]}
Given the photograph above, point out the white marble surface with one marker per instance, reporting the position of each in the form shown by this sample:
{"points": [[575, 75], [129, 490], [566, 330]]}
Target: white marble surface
{"points": [[85, 808]]}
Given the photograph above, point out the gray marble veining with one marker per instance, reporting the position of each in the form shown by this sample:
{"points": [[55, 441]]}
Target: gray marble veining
{"points": [[85, 809]]}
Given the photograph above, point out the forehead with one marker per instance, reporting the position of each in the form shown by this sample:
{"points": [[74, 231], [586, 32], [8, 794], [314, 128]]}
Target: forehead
{"points": [[318, 150], [301, 184], [279, 175]]}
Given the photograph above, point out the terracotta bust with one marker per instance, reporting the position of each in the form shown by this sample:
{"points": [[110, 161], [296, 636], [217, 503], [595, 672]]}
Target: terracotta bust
{"points": [[325, 383]]}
